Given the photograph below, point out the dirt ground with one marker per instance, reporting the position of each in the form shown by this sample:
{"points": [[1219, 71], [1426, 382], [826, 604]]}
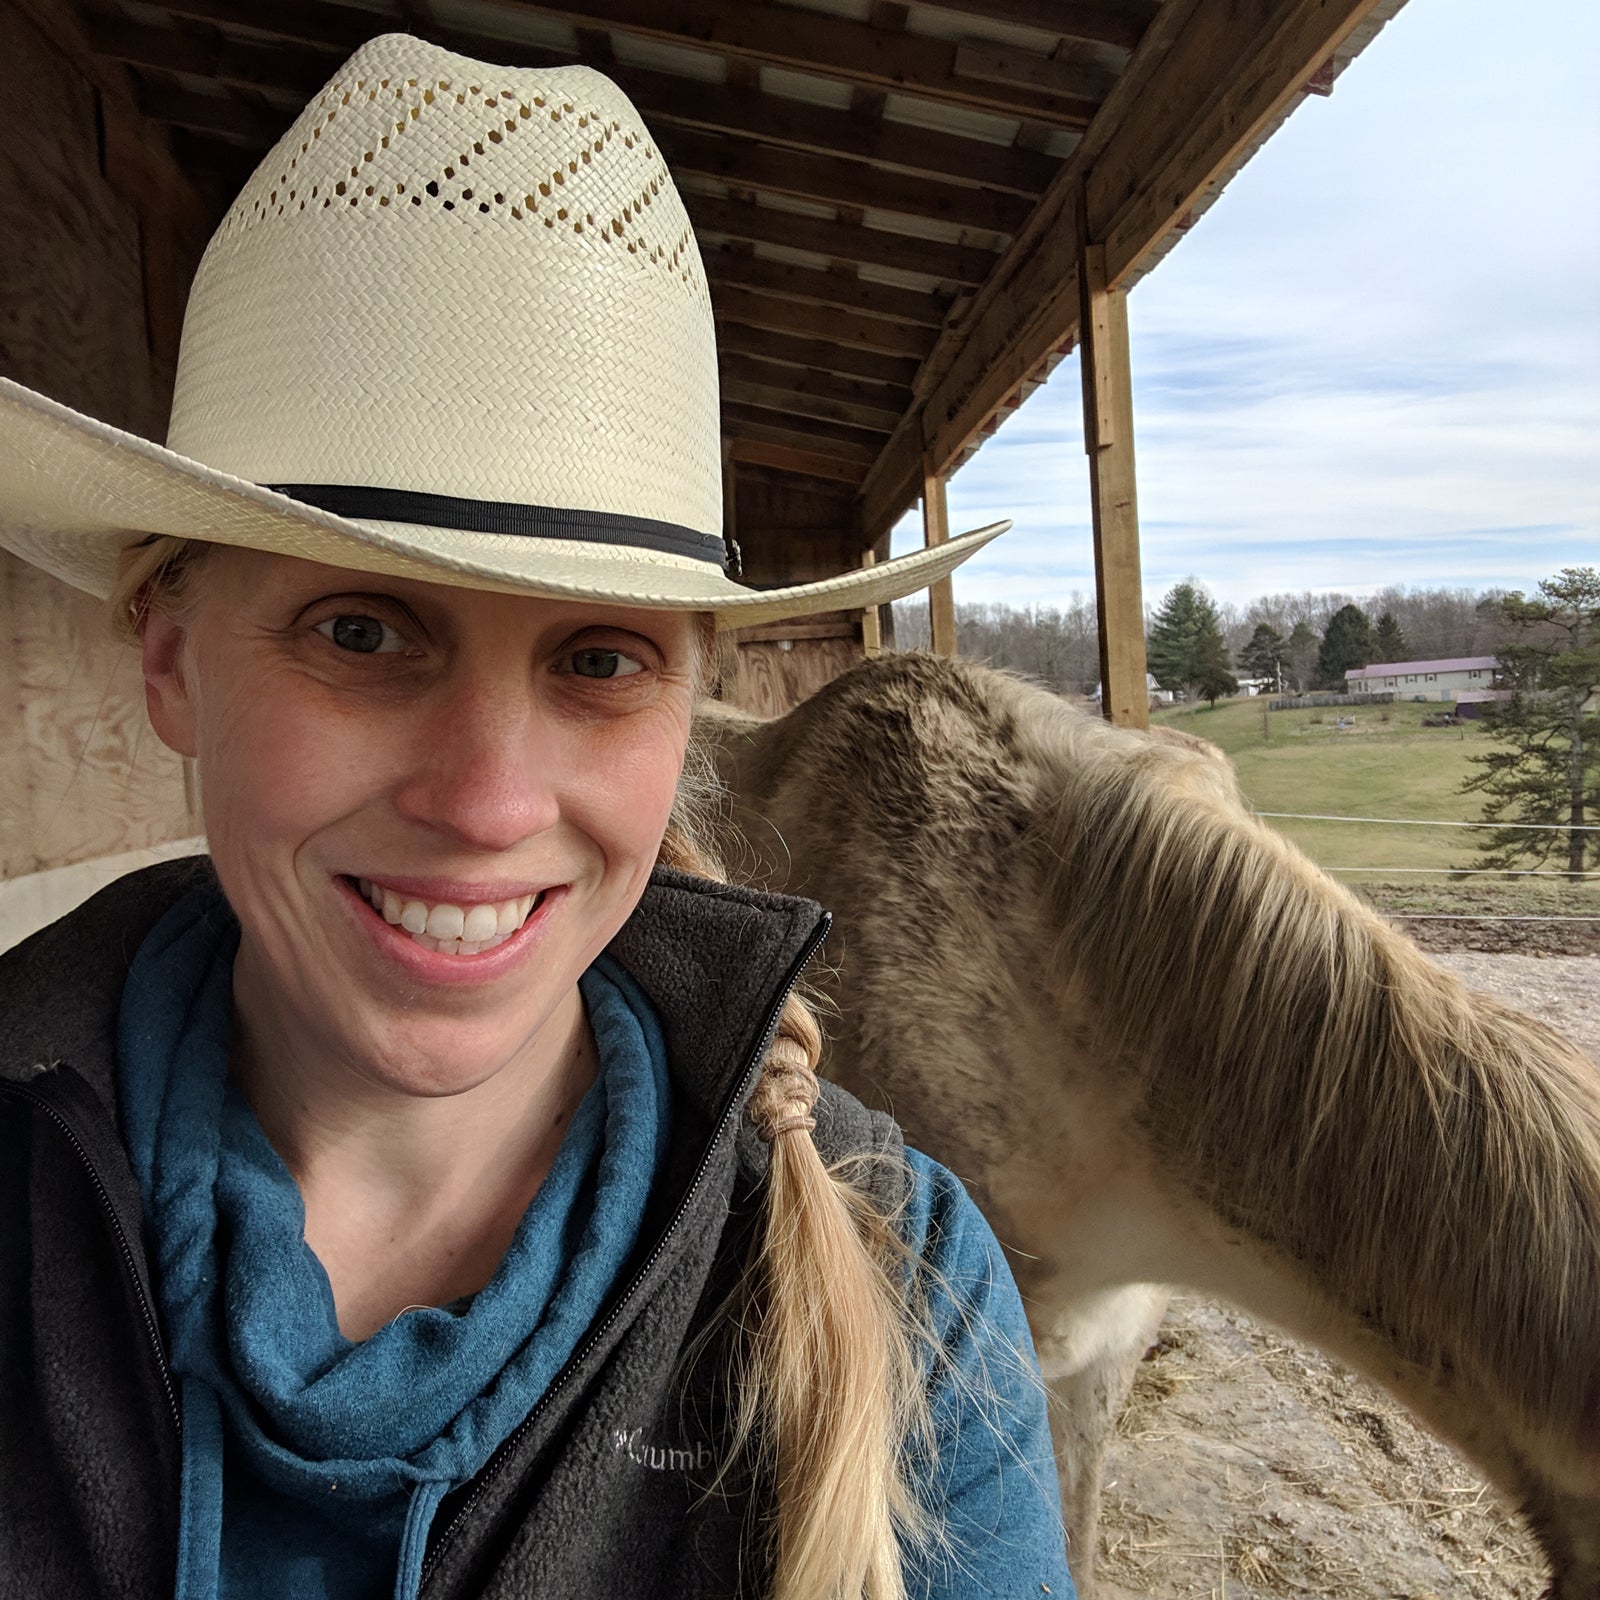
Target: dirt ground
{"points": [[1250, 1467]]}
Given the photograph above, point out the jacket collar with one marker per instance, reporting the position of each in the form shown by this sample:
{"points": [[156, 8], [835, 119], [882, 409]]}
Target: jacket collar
{"points": [[713, 959]]}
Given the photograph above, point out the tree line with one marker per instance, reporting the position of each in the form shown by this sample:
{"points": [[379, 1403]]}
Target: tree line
{"points": [[1273, 636], [1541, 777]]}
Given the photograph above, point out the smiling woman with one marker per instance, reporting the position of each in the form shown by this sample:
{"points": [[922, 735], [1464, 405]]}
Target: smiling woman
{"points": [[433, 1192]]}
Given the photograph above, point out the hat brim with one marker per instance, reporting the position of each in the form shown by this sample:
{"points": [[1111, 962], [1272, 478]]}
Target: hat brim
{"points": [[74, 491]]}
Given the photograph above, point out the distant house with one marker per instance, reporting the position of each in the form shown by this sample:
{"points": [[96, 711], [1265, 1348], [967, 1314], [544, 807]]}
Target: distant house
{"points": [[1425, 680]]}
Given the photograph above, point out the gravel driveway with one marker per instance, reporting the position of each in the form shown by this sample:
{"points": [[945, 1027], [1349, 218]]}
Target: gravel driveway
{"points": [[1563, 991]]}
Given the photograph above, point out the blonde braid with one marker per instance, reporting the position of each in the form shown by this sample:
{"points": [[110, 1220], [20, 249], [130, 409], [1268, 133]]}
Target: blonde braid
{"points": [[826, 1380]]}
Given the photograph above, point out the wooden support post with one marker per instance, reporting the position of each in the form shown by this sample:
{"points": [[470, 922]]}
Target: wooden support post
{"points": [[871, 627], [1108, 439], [936, 530]]}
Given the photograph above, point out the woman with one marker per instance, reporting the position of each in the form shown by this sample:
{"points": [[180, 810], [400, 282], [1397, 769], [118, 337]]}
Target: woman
{"points": [[439, 1199]]}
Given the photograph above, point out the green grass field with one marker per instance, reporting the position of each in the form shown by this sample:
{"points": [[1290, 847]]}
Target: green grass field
{"points": [[1383, 763]]}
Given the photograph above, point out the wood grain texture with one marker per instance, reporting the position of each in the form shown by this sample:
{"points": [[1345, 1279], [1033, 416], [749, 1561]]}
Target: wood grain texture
{"points": [[771, 679], [82, 775]]}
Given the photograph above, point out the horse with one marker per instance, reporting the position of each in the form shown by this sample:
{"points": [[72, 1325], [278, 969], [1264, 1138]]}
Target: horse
{"points": [[1162, 1048]]}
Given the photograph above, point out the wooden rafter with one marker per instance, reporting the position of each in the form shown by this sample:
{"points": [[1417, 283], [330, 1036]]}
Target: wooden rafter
{"points": [[1118, 22], [661, 96], [793, 402], [801, 460], [836, 182], [757, 427], [882, 398], [819, 322], [811, 287], [818, 355], [841, 241], [816, 42]]}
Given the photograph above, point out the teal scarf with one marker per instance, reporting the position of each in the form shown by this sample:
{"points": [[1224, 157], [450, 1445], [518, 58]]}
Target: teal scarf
{"points": [[338, 1454]]}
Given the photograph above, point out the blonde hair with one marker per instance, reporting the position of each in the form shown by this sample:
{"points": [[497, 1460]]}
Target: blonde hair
{"points": [[826, 1376]]}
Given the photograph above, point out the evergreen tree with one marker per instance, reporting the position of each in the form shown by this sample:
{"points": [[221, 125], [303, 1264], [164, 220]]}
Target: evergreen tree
{"points": [[1212, 678], [1262, 656], [1180, 647], [1303, 645], [1548, 771], [1346, 645], [1389, 644]]}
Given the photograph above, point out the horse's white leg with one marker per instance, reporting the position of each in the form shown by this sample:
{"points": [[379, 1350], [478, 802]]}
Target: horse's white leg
{"points": [[1089, 1357]]}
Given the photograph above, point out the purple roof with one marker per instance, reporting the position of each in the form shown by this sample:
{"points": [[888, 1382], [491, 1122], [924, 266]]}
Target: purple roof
{"points": [[1393, 669]]}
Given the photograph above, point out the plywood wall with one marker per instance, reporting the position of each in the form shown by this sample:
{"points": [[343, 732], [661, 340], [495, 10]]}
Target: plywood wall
{"points": [[83, 210], [791, 529]]}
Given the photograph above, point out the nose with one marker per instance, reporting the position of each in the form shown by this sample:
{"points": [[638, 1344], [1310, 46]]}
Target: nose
{"points": [[484, 764]]}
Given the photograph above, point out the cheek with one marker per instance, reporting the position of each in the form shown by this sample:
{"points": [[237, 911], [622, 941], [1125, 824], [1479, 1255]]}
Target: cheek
{"points": [[627, 809], [272, 769]]}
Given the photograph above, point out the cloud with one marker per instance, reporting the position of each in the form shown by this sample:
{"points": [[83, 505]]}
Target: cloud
{"points": [[1375, 360]]}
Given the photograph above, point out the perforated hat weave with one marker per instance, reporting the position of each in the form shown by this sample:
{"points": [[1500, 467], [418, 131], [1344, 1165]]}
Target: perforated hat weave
{"points": [[455, 327]]}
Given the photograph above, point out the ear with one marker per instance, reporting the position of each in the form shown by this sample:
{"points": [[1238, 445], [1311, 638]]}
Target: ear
{"points": [[168, 684]]}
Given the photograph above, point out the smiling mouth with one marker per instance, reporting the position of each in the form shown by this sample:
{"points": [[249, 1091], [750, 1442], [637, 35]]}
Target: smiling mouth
{"points": [[451, 930]]}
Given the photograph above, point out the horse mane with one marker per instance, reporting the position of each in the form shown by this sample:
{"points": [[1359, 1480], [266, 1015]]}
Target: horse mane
{"points": [[1446, 1175]]}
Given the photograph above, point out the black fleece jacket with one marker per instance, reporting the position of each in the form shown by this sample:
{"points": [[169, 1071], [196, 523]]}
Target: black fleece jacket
{"points": [[599, 1492]]}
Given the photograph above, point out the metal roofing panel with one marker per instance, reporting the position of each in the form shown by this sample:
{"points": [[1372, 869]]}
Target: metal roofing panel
{"points": [[787, 84], [661, 55], [964, 121], [506, 22]]}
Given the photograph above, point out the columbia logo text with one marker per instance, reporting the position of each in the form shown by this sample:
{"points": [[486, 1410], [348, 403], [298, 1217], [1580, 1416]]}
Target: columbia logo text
{"points": [[664, 1458]]}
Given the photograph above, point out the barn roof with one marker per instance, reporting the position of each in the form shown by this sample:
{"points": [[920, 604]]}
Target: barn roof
{"points": [[891, 196]]}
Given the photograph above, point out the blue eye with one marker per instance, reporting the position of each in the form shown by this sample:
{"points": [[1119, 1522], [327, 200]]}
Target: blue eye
{"points": [[596, 663], [362, 635]]}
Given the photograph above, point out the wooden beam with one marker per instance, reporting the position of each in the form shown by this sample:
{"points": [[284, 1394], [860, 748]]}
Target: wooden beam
{"points": [[815, 42], [205, 53], [664, 97], [815, 354], [828, 627], [871, 623], [801, 460], [1203, 84], [814, 322], [941, 594], [1231, 74], [1118, 22], [224, 116], [791, 402], [840, 241], [852, 444], [809, 286], [879, 397], [1113, 495], [834, 182], [999, 63], [340, 28], [819, 130]]}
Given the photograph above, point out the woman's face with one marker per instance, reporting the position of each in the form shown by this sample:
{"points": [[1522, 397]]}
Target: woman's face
{"points": [[494, 771]]}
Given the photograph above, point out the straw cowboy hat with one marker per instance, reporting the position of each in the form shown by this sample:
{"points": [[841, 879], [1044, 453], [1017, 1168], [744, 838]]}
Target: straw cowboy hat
{"points": [[455, 328]]}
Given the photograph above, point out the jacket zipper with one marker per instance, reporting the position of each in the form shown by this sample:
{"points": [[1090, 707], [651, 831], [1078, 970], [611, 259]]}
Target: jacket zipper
{"points": [[130, 1265], [752, 1065]]}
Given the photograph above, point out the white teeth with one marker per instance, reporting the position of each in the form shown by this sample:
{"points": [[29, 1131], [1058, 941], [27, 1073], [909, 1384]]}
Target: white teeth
{"points": [[450, 929]]}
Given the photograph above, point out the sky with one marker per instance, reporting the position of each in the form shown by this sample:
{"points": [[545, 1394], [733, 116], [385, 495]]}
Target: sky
{"points": [[1375, 360]]}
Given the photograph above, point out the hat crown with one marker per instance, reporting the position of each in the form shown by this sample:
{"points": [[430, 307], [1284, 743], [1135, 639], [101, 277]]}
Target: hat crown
{"points": [[460, 279]]}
